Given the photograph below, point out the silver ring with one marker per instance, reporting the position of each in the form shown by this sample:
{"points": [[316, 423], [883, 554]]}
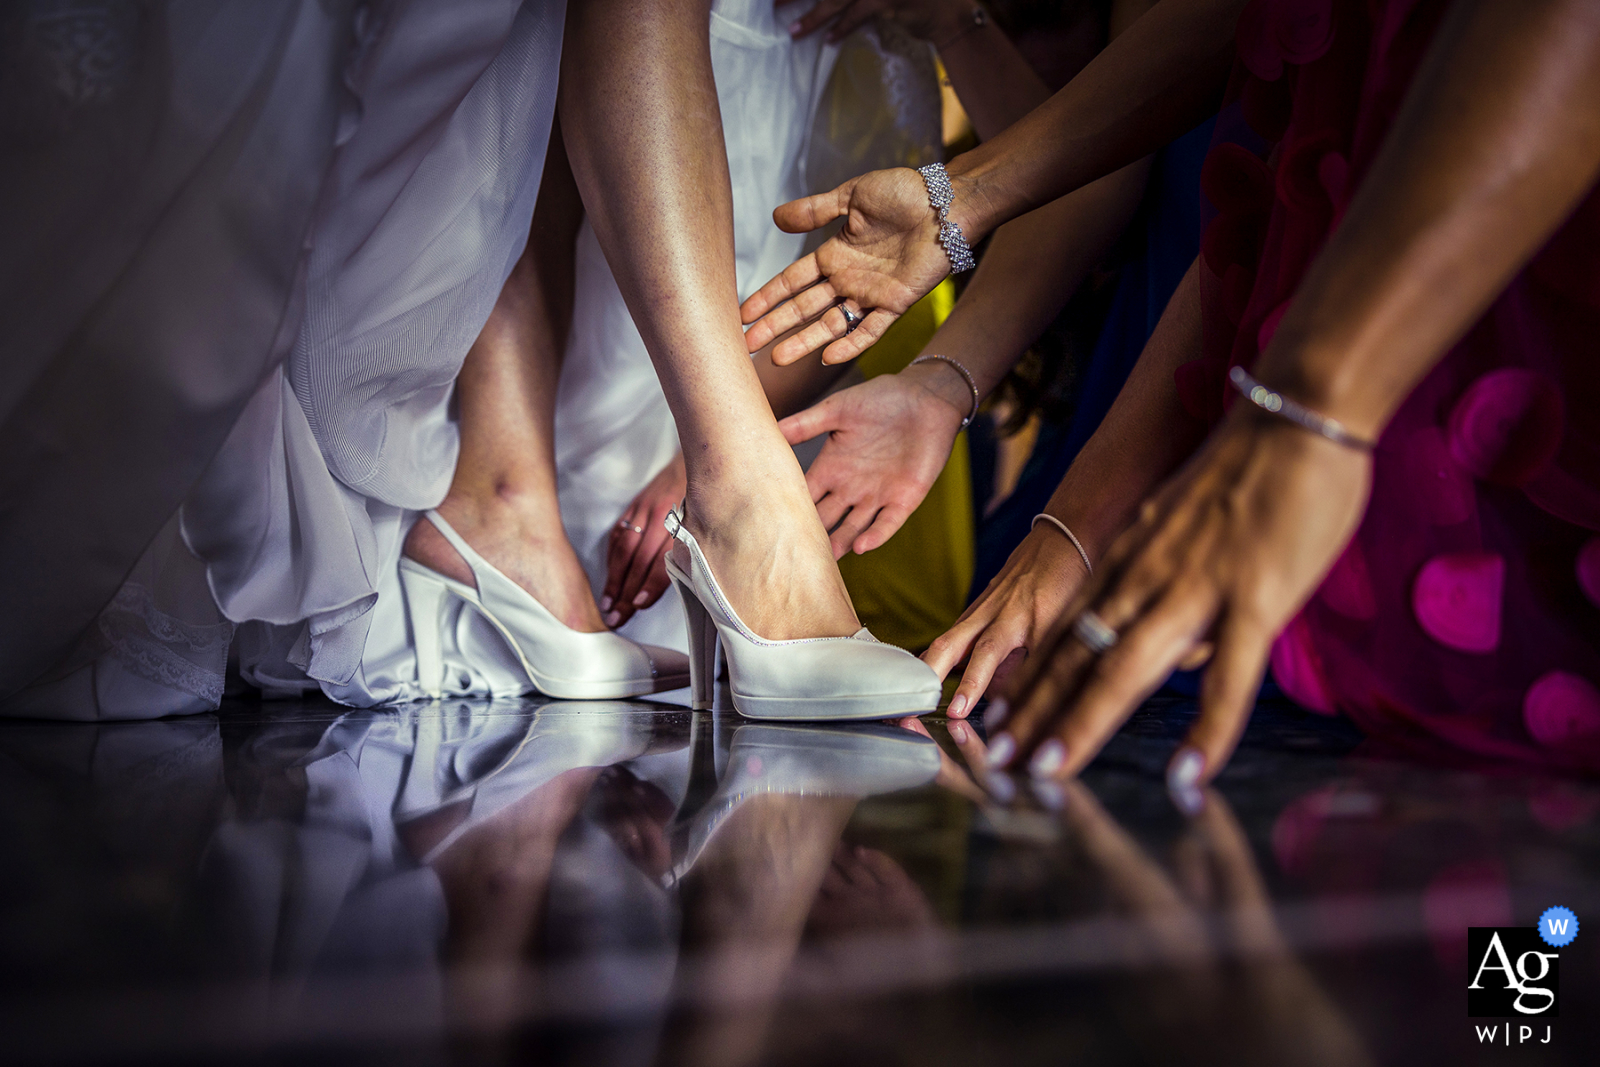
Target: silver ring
{"points": [[851, 321], [1092, 630], [624, 524]]}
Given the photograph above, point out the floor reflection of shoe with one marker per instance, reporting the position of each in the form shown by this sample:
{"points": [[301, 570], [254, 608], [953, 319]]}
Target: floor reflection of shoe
{"points": [[831, 761], [856, 677], [559, 661], [453, 783]]}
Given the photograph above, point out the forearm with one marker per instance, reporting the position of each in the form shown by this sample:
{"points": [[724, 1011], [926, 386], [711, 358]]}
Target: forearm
{"points": [[994, 82], [644, 134], [1143, 438], [1031, 268], [1153, 83], [799, 385], [1498, 139]]}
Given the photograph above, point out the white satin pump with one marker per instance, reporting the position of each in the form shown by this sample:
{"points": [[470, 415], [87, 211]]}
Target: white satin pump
{"points": [[559, 661], [816, 678]]}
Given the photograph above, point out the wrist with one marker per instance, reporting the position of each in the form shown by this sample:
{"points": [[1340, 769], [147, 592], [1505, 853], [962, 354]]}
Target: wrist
{"points": [[1329, 381], [972, 207], [945, 385]]}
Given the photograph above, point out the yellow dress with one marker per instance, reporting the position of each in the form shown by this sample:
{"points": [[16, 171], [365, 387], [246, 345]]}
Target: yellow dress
{"points": [[911, 589]]}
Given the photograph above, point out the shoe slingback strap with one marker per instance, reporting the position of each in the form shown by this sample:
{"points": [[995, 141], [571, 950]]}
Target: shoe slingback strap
{"points": [[459, 543], [674, 524]]}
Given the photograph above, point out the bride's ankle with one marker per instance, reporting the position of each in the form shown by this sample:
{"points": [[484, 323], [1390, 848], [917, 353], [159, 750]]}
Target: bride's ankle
{"points": [[718, 510]]}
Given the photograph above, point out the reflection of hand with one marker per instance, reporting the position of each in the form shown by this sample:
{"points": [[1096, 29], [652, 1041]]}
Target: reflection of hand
{"points": [[885, 258], [635, 813], [888, 439], [1234, 988], [866, 891], [926, 20], [1224, 554], [636, 573], [1012, 616], [963, 780]]}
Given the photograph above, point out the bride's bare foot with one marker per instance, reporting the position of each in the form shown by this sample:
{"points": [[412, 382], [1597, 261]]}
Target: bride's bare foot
{"points": [[532, 550], [771, 555]]}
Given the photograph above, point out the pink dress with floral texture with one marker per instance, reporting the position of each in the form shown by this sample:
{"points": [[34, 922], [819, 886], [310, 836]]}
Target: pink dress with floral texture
{"points": [[1467, 608]]}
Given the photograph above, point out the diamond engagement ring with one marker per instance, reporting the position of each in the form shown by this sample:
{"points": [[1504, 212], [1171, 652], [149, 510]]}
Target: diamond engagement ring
{"points": [[1092, 630], [624, 524], [851, 321]]}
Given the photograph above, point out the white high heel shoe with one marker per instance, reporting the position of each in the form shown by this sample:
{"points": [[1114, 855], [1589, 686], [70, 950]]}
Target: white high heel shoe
{"points": [[559, 661], [855, 677]]}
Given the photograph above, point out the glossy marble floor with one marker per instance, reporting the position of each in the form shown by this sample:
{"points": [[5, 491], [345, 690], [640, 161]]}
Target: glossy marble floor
{"points": [[631, 883]]}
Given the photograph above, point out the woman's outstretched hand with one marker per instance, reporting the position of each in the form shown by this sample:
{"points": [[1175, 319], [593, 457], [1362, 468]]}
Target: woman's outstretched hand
{"points": [[885, 258], [636, 569], [1013, 615], [888, 439], [1220, 558]]}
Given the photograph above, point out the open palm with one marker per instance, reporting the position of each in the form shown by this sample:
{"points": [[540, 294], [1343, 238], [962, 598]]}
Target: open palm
{"points": [[885, 258]]}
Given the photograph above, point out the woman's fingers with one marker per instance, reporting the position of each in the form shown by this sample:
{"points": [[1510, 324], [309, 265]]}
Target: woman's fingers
{"points": [[646, 557], [832, 508], [804, 307], [992, 648], [829, 322], [619, 551], [887, 523], [806, 214], [866, 335], [850, 527], [1227, 695], [814, 421], [952, 646], [797, 277], [1118, 680]]}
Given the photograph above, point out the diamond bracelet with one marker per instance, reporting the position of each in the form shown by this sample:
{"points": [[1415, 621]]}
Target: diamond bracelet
{"points": [[1277, 404], [941, 195]]}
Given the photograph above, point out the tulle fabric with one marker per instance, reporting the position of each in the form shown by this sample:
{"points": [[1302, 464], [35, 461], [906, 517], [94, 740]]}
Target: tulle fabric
{"points": [[1464, 609]]}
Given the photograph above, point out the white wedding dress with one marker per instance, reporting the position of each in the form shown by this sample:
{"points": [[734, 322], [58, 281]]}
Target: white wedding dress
{"points": [[288, 545]]}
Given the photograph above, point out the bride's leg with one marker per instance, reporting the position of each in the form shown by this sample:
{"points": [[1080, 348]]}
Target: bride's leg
{"points": [[503, 496], [639, 109]]}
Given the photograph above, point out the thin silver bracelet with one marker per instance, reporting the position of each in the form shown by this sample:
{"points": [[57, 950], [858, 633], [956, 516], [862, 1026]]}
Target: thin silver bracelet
{"points": [[1297, 413], [1058, 524], [965, 373], [941, 194]]}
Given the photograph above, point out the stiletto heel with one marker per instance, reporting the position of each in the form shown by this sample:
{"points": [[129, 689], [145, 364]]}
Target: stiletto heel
{"points": [[702, 649], [855, 677], [425, 600], [558, 660]]}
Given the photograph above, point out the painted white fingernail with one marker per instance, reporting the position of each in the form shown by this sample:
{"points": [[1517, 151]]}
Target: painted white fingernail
{"points": [[1049, 794], [1001, 787], [614, 618], [996, 714], [1001, 749], [1185, 769], [639, 600], [1190, 801], [958, 704], [605, 603], [1048, 759]]}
